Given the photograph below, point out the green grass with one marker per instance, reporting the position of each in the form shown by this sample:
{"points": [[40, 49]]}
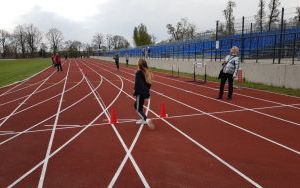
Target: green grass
{"points": [[20, 69]]}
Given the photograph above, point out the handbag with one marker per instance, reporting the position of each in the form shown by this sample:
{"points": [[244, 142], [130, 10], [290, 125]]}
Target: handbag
{"points": [[221, 74]]}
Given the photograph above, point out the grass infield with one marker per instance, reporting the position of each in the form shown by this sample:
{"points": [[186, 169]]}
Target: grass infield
{"points": [[19, 69]]}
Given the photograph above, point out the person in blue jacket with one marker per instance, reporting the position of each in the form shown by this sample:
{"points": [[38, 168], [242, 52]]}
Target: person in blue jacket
{"points": [[143, 80]]}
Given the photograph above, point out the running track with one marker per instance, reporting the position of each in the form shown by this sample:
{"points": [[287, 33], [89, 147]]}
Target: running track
{"points": [[54, 132]]}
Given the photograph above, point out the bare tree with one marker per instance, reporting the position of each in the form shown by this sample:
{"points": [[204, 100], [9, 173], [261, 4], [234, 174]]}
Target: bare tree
{"points": [[33, 38], [182, 30], [55, 38], [98, 40], [78, 45], [87, 49], [273, 16], [13, 46], [20, 37], [119, 42], [260, 16], [109, 41], [73, 48], [297, 17], [228, 13], [43, 49], [4, 37]]}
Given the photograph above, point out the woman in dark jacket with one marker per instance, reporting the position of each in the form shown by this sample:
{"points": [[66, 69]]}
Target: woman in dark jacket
{"points": [[58, 62], [143, 78], [116, 58]]}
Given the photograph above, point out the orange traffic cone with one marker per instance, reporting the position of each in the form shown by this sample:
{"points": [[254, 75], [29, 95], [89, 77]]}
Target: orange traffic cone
{"points": [[113, 116], [163, 111]]}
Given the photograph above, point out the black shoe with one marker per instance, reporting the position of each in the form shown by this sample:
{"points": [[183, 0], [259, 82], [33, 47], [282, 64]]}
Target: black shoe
{"points": [[229, 98], [219, 97]]}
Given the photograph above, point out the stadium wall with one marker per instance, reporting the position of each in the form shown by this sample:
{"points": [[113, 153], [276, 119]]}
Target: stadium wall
{"points": [[282, 75]]}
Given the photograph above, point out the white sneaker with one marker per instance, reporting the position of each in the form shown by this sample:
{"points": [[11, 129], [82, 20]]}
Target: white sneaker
{"points": [[150, 124], [140, 122]]}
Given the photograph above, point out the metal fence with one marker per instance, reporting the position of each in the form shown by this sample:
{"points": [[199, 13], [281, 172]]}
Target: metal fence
{"points": [[280, 41]]}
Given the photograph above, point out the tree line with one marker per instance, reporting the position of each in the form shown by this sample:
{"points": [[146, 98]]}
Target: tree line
{"points": [[27, 41]]}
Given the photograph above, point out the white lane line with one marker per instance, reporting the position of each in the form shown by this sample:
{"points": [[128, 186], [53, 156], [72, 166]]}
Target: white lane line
{"points": [[61, 128], [65, 144], [121, 120], [45, 120], [43, 173], [26, 86], [28, 95], [236, 93], [136, 167], [4, 132], [124, 121], [12, 113], [227, 122], [46, 100], [249, 109], [261, 99], [128, 151], [75, 126], [125, 159], [248, 179], [221, 101], [182, 76]]}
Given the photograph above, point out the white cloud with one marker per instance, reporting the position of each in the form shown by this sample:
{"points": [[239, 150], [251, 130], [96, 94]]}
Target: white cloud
{"points": [[80, 19]]}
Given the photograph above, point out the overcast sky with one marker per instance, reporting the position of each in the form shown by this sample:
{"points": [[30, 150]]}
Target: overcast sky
{"points": [[81, 19]]}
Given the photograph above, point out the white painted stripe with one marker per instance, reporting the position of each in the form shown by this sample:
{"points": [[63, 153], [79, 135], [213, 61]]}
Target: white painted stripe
{"points": [[26, 86], [46, 100], [52, 154], [63, 125], [143, 179], [125, 159], [12, 113], [122, 121], [227, 122], [221, 101], [64, 145], [67, 108], [265, 91], [236, 93], [28, 95], [43, 173], [200, 145], [6, 132]]}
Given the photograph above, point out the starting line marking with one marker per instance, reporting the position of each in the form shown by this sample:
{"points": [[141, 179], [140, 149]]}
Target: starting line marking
{"points": [[63, 125], [7, 132]]}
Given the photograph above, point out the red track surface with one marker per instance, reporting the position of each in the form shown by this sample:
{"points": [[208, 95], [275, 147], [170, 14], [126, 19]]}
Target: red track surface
{"points": [[54, 132]]}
